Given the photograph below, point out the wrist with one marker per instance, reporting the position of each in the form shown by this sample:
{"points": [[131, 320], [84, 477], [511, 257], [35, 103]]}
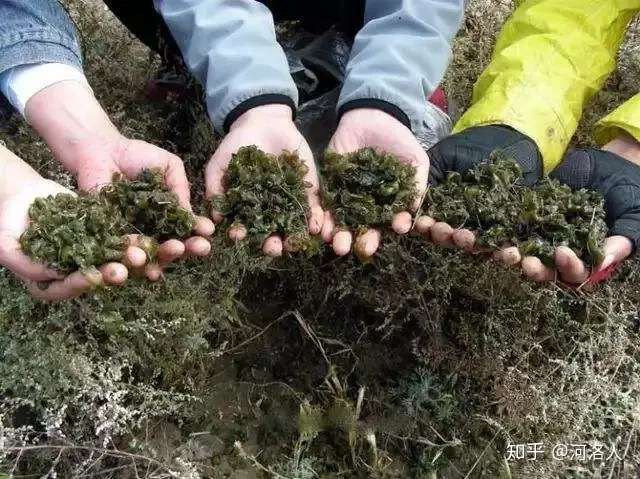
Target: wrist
{"points": [[69, 119], [263, 114], [371, 117], [381, 110], [14, 174], [626, 147]]}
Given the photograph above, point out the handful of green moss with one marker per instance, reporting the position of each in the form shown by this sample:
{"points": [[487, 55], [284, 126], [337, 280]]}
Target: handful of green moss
{"points": [[267, 195], [490, 200], [366, 188], [76, 232]]}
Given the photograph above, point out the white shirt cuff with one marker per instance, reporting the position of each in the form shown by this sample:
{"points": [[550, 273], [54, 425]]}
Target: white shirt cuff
{"points": [[19, 84]]}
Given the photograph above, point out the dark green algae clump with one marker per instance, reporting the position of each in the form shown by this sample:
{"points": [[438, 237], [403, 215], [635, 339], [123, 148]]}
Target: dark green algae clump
{"points": [[70, 232], [267, 195], [366, 188], [491, 200]]}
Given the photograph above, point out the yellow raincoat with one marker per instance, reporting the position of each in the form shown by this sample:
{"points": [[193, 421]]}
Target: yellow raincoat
{"points": [[551, 57]]}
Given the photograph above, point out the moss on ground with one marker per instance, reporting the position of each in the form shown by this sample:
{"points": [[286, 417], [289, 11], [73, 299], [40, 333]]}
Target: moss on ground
{"points": [[491, 200]]}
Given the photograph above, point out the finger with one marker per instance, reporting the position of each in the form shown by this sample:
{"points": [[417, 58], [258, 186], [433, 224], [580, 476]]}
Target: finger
{"points": [[114, 274], [367, 244], [342, 243], [572, 269], [402, 223], [70, 287], [533, 269], [12, 257], [197, 246], [464, 239], [441, 233], [134, 257], [153, 272], [215, 171], [424, 224], [316, 219], [327, 227], [510, 256], [145, 243], [290, 244], [216, 216], [204, 226], [169, 251], [237, 233], [272, 246], [616, 250], [422, 177], [175, 178]]}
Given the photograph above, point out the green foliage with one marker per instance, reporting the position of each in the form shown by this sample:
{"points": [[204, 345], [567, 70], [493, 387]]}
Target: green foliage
{"points": [[490, 200], [149, 207], [266, 194], [69, 232], [76, 232], [366, 188]]}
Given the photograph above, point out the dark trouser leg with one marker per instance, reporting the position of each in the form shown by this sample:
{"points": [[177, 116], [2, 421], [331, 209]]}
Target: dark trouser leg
{"points": [[141, 19], [317, 16]]}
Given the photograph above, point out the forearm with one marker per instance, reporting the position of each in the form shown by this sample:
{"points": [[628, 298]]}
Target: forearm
{"points": [[230, 46], [400, 56], [67, 116], [549, 60]]}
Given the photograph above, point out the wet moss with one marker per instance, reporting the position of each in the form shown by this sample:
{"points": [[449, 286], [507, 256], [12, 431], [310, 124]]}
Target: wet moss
{"points": [[149, 207], [267, 195], [70, 232], [491, 200], [366, 188]]}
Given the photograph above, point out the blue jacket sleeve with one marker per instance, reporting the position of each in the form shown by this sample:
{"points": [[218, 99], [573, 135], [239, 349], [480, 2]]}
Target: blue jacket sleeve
{"points": [[230, 46], [400, 56], [36, 32]]}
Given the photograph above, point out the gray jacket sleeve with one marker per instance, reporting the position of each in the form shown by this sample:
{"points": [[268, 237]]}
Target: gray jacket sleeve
{"points": [[230, 46], [400, 56]]}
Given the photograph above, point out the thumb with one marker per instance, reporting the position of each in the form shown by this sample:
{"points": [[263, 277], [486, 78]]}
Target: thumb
{"points": [[616, 250], [421, 178], [93, 180]]}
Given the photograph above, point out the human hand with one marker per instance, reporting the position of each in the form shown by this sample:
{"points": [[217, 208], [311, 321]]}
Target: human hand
{"points": [[462, 152], [14, 220], [271, 129], [372, 128], [84, 140], [96, 162], [617, 177]]}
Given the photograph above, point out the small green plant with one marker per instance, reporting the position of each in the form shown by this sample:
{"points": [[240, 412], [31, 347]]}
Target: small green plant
{"points": [[149, 207], [70, 232], [366, 188], [267, 195], [490, 200]]}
